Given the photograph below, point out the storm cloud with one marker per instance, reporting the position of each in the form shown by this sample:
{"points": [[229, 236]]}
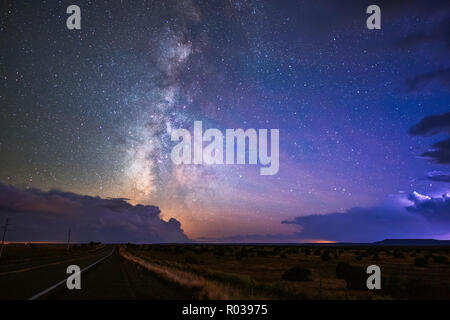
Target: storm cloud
{"points": [[441, 75], [425, 217], [36, 215], [432, 125], [435, 209], [438, 176], [439, 151]]}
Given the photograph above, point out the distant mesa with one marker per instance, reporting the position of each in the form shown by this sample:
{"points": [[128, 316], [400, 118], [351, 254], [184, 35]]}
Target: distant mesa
{"points": [[413, 242]]}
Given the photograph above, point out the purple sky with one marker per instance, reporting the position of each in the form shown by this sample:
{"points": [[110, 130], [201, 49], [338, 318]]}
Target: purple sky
{"points": [[363, 119]]}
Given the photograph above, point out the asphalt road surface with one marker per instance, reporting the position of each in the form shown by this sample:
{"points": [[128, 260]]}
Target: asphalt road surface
{"points": [[113, 278]]}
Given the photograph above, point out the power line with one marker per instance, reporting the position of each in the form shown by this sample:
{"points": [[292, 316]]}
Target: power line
{"points": [[5, 228], [68, 241]]}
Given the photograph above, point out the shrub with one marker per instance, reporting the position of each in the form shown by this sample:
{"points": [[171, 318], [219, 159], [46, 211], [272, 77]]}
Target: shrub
{"points": [[325, 257], [219, 252], [420, 262], [418, 289], [262, 253], [428, 256], [276, 251], [297, 274], [354, 276], [440, 259], [394, 287], [341, 269], [191, 260]]}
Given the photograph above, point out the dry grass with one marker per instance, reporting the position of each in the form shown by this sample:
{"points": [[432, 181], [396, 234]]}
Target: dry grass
{"points": [[258, 270], [204, 288]]}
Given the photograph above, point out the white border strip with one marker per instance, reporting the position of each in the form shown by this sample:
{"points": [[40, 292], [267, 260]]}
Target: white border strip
{"points": [[36, 296]]}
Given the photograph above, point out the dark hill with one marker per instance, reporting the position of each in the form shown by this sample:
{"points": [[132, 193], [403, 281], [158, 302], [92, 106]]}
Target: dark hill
{"points": [[413, 242]]}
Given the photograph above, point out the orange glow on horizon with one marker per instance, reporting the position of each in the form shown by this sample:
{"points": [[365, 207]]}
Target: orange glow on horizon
{"points": [[35, 242]]}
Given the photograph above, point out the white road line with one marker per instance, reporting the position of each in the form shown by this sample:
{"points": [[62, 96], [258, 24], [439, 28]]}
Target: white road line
{"points": [[40, 294]]}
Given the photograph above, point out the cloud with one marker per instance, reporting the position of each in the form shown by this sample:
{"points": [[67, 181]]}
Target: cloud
{"points": [[433, 209], [439, 33], [441, 75], [36, 215], [440, 151], [432, 125], [439, 176], [419, 216], [425, 217], [255, 238]]}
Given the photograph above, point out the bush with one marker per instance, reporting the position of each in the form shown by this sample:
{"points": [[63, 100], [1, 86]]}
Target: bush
{"points": [[420, 262], [440, 259], [354, 276], [417, 289], [341, 269], [218, 251], [191, 260], [262, 253], [297, 274], [325, 257], [394, 287], [276, 251], [428, 256]]}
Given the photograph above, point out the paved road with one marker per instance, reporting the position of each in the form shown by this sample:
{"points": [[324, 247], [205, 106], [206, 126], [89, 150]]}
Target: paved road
{"points": [[117, 278], [22, 280], [113, 278]]}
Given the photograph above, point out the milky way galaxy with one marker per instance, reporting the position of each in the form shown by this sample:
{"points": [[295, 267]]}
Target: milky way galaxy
{"points": [[90, 112]]}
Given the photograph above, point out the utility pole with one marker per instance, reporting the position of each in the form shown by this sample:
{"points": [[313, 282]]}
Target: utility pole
{"points": [[68, 241], [5, 228]]}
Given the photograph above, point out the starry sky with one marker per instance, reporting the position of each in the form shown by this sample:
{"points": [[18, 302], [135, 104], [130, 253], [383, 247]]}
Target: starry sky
{"points": [[89, 112]]}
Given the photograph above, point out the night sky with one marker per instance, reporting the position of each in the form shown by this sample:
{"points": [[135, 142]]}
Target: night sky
{"points": [[88, 112]]}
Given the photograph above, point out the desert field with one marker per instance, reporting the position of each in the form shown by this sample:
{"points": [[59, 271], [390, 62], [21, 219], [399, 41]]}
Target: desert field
{"points": [[299, 272], [204, 271]]}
